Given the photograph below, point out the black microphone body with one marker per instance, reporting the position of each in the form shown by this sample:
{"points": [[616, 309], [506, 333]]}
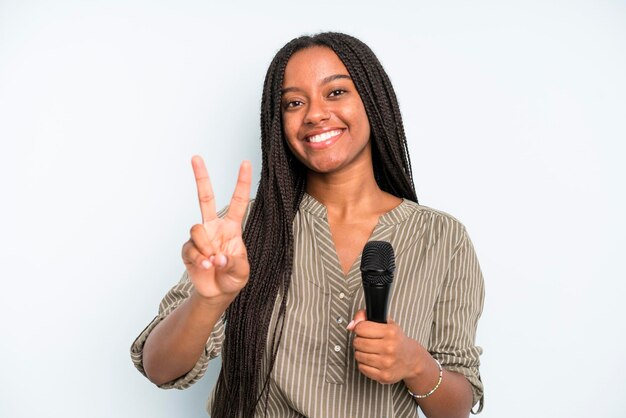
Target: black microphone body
{"points": [[377, 267], [376, 302]]}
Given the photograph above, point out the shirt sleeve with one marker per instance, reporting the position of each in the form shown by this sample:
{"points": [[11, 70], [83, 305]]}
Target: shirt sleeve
{"points": [[456, 315], [177, 295]]}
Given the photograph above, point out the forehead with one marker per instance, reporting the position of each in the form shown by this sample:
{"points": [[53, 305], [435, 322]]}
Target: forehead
{"points": [[311, 65]]}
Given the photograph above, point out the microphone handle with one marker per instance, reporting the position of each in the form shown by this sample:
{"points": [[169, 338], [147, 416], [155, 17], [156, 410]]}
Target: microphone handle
{"points": [[376, 298]]}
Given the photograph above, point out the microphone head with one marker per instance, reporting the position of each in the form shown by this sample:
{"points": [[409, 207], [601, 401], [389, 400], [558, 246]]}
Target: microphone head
{"points": [[377, 263]]}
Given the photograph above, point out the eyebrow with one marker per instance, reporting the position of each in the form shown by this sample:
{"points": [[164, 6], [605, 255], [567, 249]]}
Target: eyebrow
{"points": [[325, 80]]}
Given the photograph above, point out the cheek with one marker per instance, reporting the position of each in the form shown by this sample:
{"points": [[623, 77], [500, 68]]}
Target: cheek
{"points": [[291, 138], [360, 120], [363, 129]]}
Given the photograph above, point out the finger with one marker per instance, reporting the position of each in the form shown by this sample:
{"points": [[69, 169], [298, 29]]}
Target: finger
{"points": [[194, 259], [205, 190], [241, 196], [368, 345], [371, 330], [368, 359], [236, 265], [385, 377], [202, 241], [359, 316], [369, 371]]}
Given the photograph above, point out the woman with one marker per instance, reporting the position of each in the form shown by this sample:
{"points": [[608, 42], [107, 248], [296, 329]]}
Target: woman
{"points": [[275, 300]]}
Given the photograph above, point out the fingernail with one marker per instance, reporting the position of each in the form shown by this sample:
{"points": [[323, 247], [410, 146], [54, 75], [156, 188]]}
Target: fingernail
{"points": [[350, 325], [206, 264], [222, 260]]}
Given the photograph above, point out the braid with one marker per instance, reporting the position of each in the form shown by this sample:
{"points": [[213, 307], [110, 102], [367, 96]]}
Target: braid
{"points": [[268, 234]]}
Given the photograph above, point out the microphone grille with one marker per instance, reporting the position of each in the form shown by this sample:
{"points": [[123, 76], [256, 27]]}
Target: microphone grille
{"points": [[377, 263]]}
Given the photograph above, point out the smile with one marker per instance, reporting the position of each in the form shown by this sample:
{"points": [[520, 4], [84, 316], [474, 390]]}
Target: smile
{"points": [[325, 136]]}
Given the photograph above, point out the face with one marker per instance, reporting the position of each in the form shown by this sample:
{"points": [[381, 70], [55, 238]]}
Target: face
{"points": [[324, 119]]}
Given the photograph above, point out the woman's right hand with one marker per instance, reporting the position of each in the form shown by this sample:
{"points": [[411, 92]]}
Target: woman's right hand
{"points": [[215, 255]]}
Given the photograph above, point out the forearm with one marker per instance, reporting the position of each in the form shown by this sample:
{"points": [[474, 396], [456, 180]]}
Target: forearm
{"points": [[176, 344], [453, 397]]}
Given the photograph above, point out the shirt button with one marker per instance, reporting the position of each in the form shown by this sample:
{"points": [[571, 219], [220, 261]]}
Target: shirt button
{"points": [[342, 295], [337, 348], [340, 320]]}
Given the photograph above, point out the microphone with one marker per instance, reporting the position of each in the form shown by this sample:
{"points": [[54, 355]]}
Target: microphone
{"points": [[377, 267]]}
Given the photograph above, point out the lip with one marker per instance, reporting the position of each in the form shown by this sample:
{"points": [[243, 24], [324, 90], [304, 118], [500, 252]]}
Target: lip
{"points": [[326, 143]]}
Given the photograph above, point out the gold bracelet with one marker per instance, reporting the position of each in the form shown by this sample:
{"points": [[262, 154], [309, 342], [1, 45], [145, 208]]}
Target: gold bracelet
{"points": [[434, 389]]}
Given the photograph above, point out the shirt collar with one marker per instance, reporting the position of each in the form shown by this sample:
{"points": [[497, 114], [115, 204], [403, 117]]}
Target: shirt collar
{"points": [[394, 216]]}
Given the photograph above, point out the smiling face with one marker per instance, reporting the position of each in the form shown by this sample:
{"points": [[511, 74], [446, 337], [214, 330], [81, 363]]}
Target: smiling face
{"points": [[324, 119]]}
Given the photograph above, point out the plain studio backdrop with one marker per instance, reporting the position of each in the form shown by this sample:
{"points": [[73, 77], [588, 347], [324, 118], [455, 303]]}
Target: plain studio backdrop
{"points": [[515, 114]]}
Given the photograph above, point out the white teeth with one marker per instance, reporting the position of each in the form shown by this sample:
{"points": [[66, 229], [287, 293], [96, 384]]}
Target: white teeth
{"points": [[324, 136]]}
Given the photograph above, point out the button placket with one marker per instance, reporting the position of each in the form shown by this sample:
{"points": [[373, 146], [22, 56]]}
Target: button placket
{"points": [[338, 347]]}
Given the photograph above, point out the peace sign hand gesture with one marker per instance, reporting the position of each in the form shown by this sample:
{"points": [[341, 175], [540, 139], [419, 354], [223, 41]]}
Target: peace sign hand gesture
{"points": [[215, 255]]}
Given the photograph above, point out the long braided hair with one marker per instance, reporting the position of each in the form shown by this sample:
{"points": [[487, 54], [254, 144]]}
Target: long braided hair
{"points": [[268, 234]]}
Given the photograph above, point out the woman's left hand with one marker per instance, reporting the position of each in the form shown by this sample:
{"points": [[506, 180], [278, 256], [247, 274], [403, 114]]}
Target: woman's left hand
{"points": [[383, 352]]}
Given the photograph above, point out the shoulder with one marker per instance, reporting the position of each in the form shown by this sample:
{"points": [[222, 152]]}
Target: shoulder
{"points": [[420, 214], [432, 225]]}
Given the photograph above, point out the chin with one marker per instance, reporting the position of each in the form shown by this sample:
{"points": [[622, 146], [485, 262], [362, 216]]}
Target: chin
{"points": [[324, 167]]}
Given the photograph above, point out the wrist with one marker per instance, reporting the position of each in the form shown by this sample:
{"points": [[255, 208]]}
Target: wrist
{"points": [[422, 395], [425, 378], [216, 302], [421, 364]]}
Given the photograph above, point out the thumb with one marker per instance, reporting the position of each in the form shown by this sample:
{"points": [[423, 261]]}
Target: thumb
{"points": [[359, 316]]}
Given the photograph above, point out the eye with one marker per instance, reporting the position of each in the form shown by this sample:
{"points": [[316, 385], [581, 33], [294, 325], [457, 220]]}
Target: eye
{"points": [[292, 104], [336, 92]]}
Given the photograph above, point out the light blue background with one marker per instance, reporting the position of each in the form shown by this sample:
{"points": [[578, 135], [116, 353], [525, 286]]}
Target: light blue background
{"points": [[515, 116]]}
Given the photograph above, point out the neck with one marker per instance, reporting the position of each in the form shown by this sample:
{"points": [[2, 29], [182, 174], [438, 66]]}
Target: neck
{"points": [[349, 195]]}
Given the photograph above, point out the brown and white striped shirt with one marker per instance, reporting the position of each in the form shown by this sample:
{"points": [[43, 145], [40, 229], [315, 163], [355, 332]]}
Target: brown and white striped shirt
{"points": [[436, 298]]}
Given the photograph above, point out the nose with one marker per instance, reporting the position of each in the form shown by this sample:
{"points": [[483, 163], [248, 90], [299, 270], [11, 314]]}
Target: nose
{"points": [[316, 112]]}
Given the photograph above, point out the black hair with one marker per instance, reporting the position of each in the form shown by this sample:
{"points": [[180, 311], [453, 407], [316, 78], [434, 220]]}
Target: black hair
{"points": [[268, 233]]}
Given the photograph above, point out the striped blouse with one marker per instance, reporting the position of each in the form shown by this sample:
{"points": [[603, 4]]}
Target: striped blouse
{"points": [[436, 298]]}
